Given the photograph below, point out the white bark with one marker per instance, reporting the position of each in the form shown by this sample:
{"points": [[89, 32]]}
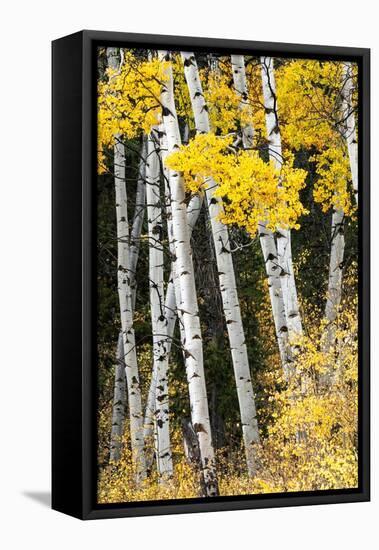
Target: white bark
{"points": [[240, 86], [126, 312], [226, 276], [113, 58], [187, 301], [193, 211], [273, 270], [266, 237], [139, 214], [119, 403], [283, 241], [337, 248], [349, 126], [158, 313], [118, 413], [333, 300]]}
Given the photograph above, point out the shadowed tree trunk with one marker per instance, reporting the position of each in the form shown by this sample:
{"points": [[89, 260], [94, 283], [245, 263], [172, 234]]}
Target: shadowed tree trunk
{"points": [[337, 248], [119, 404], [158, 312]]}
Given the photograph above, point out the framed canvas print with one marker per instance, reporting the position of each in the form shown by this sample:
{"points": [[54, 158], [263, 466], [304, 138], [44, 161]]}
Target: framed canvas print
{"points": [[210, 274]]}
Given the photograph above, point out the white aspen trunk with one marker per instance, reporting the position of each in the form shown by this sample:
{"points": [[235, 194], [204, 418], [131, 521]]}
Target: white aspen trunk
{"points": [[126, 312], [113, 58], [333, 300], [270, 256], [135, 236], [158, 313], [118, 413], [287, 276], [187, 301], [119, 404], [266, 237], [173, 280], [226, 277], [349, 126], [240, 86], [337, 248], [193, 211], [139, 214]]}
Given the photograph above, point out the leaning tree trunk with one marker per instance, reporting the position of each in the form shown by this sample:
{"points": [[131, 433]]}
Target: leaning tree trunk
{"points": [[287, 275], [187, 301], [126, 311], [158, 312], [119, 404], [349, 126], [266, 237], [227, 282]]}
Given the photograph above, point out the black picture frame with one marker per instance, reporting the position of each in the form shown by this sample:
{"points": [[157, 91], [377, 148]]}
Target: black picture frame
{"points": [[74, 290]]}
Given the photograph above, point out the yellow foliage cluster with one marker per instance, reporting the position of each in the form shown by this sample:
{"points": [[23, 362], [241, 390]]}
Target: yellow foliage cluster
{"points": [[332, 189], [224, 103], [309, 102], [249, 185], [128, 100], [310, 111]]}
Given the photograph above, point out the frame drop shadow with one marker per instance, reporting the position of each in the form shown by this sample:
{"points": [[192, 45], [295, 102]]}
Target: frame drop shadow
{"points": [[41, 497]]}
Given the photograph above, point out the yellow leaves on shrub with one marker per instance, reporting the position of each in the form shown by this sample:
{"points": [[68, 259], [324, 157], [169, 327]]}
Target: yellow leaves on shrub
{"points": [[252, 189]]}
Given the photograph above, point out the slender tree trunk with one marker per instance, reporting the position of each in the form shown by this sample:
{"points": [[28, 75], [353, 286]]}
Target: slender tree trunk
{"points": [[287, 276], [119, 404], [333, 300], [273, 270], [118, 414], [337, 247], [135, 237], [158, 312], [139, 214], [126, 311], [193, 211], [226, 276], [240, 86], [350, 132], [266, 237], [187, 301]]}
